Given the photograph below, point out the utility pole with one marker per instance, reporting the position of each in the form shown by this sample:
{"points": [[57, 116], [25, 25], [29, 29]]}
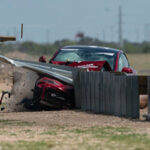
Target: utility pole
{"points": [[137, 35], [47, 35], [104, 35], [120, 27], [112, 33], [147, 32]]}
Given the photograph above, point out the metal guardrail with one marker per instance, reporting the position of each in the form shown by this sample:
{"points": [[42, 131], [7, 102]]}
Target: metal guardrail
{"points": [[60, 72], [107, 93]]}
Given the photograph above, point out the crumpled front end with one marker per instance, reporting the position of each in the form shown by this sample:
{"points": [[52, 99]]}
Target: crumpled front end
{"points": [[53, 93], [88, 65]]}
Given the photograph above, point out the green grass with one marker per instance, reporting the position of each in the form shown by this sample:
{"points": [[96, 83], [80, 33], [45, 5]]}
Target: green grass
{"points": [[27, 131], [14, 123], [49, 133], [116, 138], [24, 145], [94, 138]]}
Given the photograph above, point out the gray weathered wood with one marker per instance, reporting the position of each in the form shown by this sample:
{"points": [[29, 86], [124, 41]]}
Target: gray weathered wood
{"points": [[129, 96], [88, 92], [135, 102], [117, 95], [103, 94], [97, 90], [77, 89], [83, 91], [108, 93], [100, 92], [123, 96]]}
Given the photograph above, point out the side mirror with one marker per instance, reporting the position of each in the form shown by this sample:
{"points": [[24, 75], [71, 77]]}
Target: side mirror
{"points": [[127, 70], [42, 59]]}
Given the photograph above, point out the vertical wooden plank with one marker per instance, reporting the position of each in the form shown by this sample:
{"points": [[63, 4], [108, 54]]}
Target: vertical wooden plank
{"points": [[103, 93], [83, 92], [123, 96], [91, 89], [129, 96], [100, 91], [132, 97], [108, 101], [92, 79], [135, 97], [88, 92], [77, 89], [117, 95], [97, 98], [113, 94], [106, 92]]}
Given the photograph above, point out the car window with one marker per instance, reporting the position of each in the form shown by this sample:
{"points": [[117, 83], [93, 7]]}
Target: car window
{"points": [[67, 56], [76, 55], [123, 62]]}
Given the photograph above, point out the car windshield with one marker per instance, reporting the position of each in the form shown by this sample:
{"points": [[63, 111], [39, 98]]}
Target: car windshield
{"points": [[78, 55]]}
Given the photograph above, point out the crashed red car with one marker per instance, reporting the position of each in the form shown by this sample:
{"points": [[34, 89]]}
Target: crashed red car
{"points": [[54, 93]]}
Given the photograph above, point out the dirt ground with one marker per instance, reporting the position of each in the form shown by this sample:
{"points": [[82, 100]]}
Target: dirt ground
{"points": [[72, 118]]}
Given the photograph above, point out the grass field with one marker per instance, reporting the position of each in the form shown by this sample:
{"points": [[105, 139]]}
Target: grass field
{"points": [[141, 62], [27, 136]]}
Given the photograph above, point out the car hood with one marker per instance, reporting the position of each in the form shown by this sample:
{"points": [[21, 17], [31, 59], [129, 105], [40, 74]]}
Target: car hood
{"points": [[89, 65]]}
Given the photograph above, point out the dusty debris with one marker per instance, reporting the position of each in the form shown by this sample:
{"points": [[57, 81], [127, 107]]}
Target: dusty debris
{"points": [[22, 81]]}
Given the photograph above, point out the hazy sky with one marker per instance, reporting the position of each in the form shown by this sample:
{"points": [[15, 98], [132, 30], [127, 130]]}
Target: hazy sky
{"points": [[50, 20]]}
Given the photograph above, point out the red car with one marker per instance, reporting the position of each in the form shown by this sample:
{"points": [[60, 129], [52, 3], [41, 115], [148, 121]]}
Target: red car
{"points": [[54, 93], [82, 55]]}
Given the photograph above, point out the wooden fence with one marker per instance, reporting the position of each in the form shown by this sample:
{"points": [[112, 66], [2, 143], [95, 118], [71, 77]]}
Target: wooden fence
{"points": [[107, 93]]}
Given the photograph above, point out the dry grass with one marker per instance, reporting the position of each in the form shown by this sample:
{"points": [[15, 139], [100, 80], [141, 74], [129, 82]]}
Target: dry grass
{"points": [[71, 130], [141, 62], [30, 137]]}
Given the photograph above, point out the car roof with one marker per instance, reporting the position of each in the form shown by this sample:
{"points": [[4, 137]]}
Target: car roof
{"points": [[104, 49]]}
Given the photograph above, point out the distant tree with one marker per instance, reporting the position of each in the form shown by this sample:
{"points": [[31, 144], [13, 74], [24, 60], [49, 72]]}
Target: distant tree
{"points": [[37, 49]]}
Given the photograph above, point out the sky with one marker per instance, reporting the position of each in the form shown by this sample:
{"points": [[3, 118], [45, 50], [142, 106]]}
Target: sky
{"points": [[51, 20]]}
